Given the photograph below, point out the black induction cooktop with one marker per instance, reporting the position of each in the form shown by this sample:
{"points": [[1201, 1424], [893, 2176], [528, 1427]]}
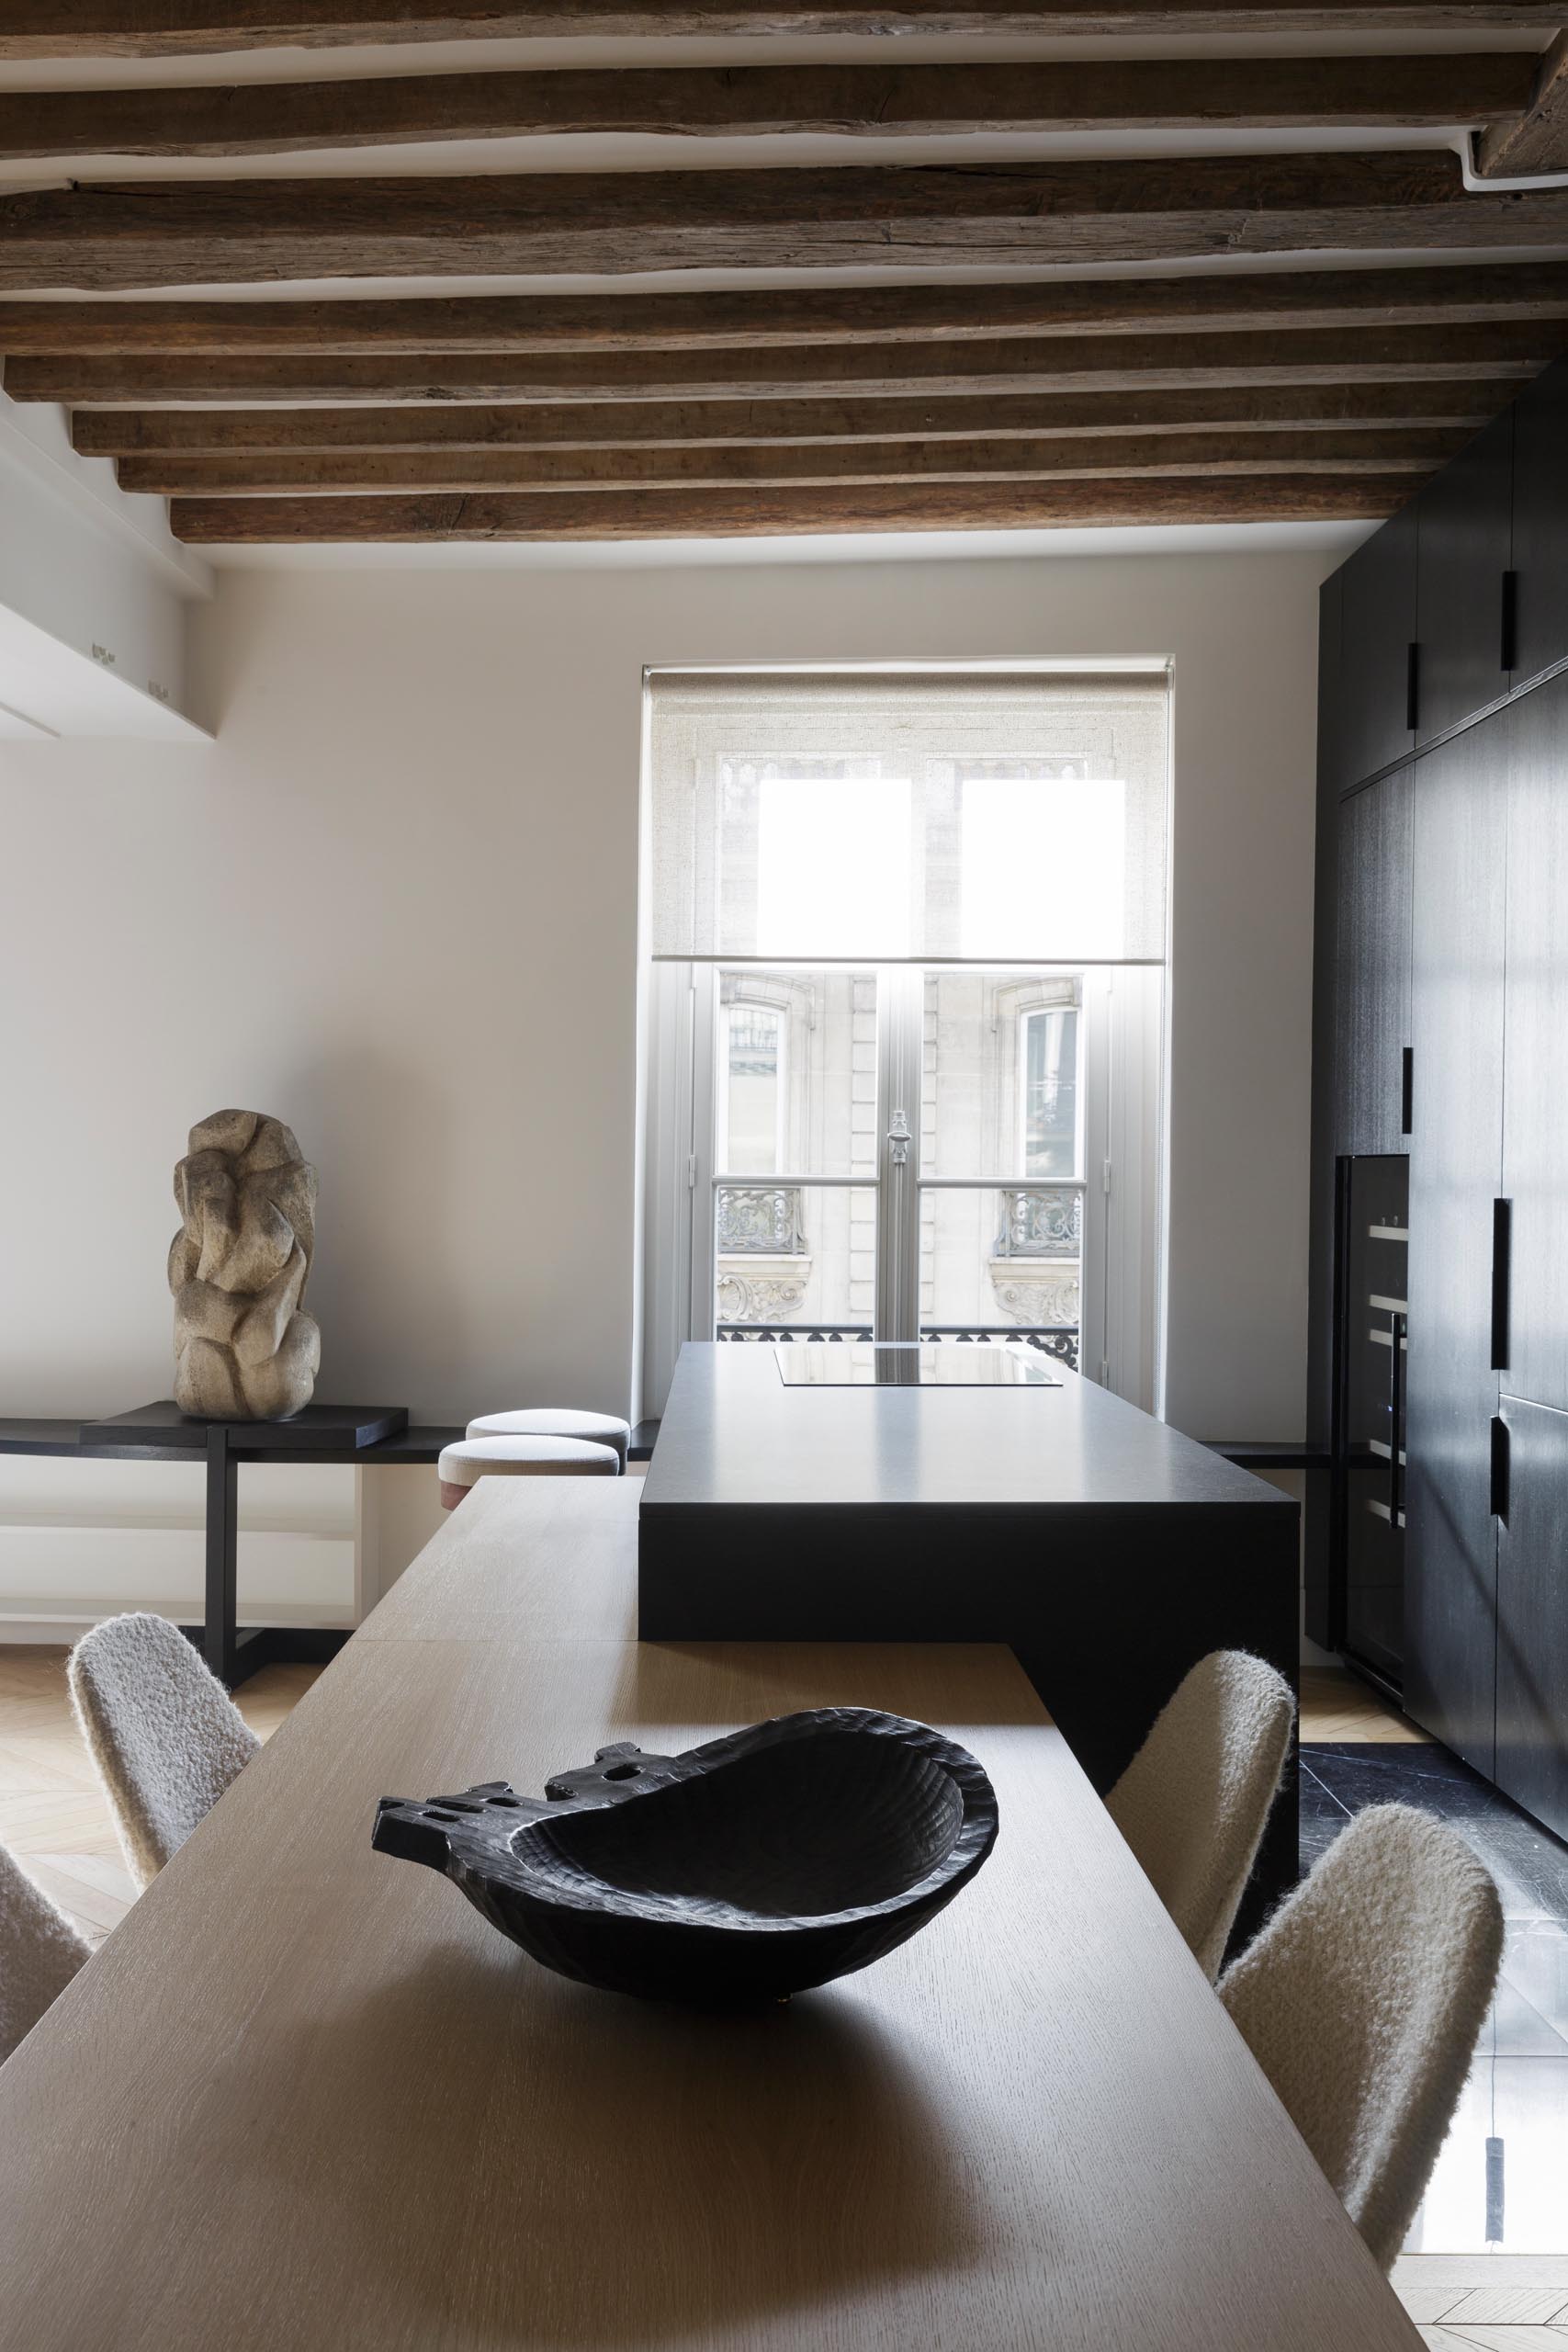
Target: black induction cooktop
{"points": [[910, 1363]]}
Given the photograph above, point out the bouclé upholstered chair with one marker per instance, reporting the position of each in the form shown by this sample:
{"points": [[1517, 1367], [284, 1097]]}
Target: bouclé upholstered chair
{"points": [[1362, 2000], [165, 1736], [39, 1952], [1193, 1801]]}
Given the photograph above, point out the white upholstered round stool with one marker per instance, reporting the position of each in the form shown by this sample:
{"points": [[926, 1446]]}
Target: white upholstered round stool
{"points": [[556, 1420], [472, 1458]]}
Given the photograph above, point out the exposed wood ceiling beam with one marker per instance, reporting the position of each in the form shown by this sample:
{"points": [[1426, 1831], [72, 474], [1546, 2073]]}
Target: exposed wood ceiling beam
{"points": [[1088, 458], [637, 424], [1254, 299], [747, 512], [1516, 349], [206, 232], [167, 27], [269, 118], [1538, 142]]}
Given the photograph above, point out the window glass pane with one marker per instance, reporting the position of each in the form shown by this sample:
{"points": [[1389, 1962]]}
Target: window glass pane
{"points": [[1044, 861], [796, 1257], [1003, 1261], [999, 1090], [1050, 1092], [833, 865], [753, 1091], [794, 1078]]}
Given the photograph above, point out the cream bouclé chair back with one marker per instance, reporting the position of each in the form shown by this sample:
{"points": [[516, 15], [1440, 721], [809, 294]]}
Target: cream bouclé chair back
{"points": [[1194, 1801], [39, 1952], [165, 1736], [1362, 2000]]}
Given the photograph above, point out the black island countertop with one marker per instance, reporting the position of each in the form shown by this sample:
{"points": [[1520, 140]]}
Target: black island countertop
{"points": [[1108, 1549]]}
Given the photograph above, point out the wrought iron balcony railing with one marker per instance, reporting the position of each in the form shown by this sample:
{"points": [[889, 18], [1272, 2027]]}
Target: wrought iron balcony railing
{"points": [[1058, 1339], [1040, 1221], [760, 1218]]}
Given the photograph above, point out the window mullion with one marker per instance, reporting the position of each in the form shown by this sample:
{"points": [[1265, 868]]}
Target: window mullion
{"points": [[900, 1000], [707, 1038]]}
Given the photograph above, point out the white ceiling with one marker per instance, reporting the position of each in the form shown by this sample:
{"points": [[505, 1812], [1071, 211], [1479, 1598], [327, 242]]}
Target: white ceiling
{"points": [[1332, 540]]}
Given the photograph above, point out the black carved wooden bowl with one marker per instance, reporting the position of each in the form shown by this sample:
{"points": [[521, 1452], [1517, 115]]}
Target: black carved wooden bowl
{"points": [[745, 1869]]}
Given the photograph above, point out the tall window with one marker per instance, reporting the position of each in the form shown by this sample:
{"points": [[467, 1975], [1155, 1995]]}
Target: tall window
{"points": [[908, 933]]}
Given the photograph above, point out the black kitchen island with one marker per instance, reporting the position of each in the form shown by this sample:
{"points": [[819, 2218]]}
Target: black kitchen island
{"points": [[1106, 1549]]}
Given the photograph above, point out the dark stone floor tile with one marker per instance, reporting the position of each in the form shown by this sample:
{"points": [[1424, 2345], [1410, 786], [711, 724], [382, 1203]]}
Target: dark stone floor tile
{"points": [[1321, 1817], [1529, 1865]]}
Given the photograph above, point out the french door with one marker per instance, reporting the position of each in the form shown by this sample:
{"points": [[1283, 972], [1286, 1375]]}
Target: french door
{"points": [[899, 1153]]}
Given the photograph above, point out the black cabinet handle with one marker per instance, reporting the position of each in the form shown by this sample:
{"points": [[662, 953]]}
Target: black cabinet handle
{"points": [[1497, 1500], [1502, 1255], [1406, 1090], [1395, 1414], [1510, 620], [1412, 683]]}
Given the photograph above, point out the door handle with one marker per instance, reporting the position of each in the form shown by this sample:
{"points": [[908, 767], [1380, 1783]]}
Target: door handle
{"points": [[1497, 1499], [1510, 646], [1412, 687], [1406, 1090], [899, 1140], [1502, 1280]]}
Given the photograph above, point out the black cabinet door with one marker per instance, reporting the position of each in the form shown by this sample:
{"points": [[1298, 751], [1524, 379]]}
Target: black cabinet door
{"points": [[1540, 522], [1534, 1068], [1466, 543], [1332, 774], [1372, 1000], [1456, 1160], [1532, 1616], [1378, 629]]}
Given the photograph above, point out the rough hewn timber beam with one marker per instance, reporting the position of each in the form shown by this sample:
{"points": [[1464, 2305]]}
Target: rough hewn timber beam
{"points": [[365, 325], [207, 232], [749, 513], [1087, 363], [170, 28], [1538, 141], [106, 433], [279, 118], [1090, 457]]}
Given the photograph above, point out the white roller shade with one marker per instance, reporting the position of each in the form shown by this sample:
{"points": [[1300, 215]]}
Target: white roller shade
{"points": [[922, 817]]}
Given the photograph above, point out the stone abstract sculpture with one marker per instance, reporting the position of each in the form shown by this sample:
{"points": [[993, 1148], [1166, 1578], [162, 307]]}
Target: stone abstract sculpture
{"points": [[244, 1349]]}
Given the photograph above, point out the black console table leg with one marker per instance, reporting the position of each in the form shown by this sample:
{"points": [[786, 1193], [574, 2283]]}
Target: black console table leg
{"points": [[219, 1643]]}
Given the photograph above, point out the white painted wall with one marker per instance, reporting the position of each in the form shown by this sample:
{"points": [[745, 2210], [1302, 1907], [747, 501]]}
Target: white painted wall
{"points": [[396, 905]]}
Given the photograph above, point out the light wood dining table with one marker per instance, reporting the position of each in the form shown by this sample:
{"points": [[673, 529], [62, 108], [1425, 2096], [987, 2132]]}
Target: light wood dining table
{"points": [[305, 2098]]}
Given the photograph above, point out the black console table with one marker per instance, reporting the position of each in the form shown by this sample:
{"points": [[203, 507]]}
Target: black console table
{"points": [[364, 1434]]}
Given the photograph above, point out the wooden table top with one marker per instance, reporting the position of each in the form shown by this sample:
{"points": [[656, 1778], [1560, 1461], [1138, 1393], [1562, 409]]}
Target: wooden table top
{"points": [[305, 2098]]}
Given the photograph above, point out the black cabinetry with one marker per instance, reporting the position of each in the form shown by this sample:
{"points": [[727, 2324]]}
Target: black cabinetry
{"points": [[1373, 1069], [1464, 630], [1376, 714], [1374, 1356], [1541, 523], [1443, 824], [1535, 1091], [1532, 1613], [1456, 1162]]}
